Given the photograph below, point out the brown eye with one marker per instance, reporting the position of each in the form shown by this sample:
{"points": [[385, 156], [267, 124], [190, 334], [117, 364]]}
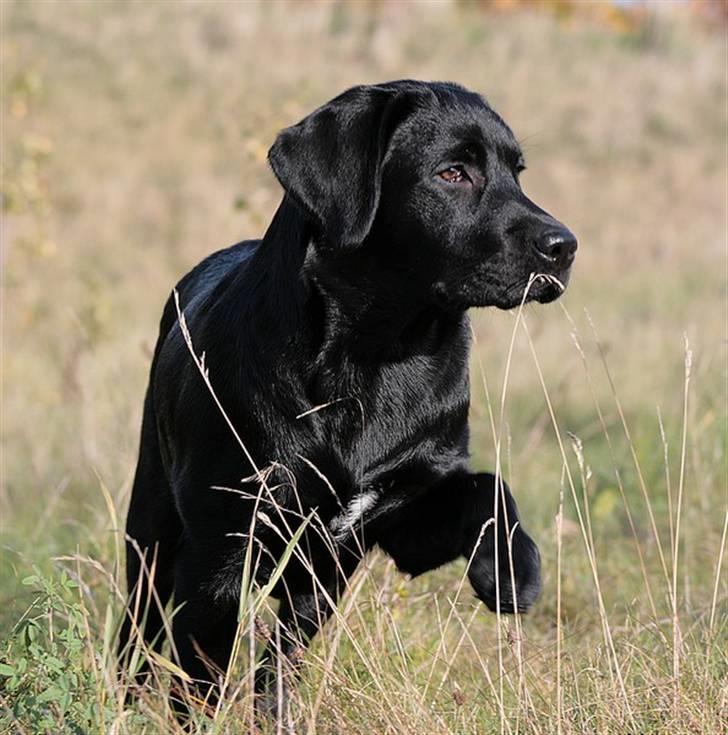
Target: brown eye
{"points": [[453, 175]]}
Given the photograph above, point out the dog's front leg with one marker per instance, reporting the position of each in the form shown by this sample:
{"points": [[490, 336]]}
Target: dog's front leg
{"points": [[474, 516]]}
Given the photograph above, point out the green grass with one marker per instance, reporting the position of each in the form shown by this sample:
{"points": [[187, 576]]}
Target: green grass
{"points": [[134, 139]]}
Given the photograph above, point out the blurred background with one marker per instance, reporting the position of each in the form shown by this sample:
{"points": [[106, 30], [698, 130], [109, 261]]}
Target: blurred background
{"points": [[134, 142]]}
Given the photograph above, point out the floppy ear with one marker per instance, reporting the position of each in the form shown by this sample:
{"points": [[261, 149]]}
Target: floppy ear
{"points": [[330, 163]]}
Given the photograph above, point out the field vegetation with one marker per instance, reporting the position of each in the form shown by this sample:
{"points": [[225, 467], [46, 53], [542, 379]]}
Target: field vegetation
{"points": [[134, 140]]}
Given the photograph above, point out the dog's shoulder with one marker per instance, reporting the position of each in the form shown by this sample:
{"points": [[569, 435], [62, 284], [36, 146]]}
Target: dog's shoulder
{"points": [[197, 286], [212, 270]]}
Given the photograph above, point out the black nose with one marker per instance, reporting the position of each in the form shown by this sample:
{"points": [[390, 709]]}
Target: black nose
{"points": [[557, 247]]}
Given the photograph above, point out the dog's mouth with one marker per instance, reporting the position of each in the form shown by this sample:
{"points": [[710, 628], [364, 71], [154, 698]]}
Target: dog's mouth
{"points": [[545, 288], [541, 287], [485, 291]]}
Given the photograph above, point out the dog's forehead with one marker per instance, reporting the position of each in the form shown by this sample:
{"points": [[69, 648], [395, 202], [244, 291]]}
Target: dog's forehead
{"points": [[459, 118]]}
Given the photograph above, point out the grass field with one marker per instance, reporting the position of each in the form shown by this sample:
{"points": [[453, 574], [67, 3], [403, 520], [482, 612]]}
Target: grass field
{"points": [[134, 138]]}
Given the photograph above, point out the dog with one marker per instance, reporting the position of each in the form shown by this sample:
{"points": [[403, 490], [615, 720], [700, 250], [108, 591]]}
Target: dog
{"points": [[337, 348]]}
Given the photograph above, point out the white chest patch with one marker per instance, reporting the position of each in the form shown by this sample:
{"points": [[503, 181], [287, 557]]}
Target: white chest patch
{"points": [[342, 523]]}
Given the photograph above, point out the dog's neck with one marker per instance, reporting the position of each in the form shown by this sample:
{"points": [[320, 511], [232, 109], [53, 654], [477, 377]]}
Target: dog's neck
{"points": [[357, 304], [374, 307]]}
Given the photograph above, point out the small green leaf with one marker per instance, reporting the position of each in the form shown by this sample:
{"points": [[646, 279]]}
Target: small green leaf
{"points": [[6, 670], [53, 663], [52, 692]]}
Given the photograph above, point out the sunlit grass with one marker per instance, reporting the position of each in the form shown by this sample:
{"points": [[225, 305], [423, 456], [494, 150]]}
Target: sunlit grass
{"points": [[134, 140]]}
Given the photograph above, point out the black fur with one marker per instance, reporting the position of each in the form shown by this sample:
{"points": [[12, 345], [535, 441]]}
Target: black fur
{"points": [[402, 209]]}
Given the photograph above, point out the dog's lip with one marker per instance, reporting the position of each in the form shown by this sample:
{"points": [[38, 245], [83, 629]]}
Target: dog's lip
{"points": [[535, 286], [549, 285], [559, 279], [532, 285]]}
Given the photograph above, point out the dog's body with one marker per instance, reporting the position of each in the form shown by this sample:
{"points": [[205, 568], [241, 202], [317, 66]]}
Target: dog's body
{"points": [[338, 348]]}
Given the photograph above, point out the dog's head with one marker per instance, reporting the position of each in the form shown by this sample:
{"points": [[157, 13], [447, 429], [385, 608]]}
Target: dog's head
{"points": [[425, 178]]}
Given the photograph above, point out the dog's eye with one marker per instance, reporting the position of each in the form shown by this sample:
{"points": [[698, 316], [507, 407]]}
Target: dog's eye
{"points": [[454, 175]]}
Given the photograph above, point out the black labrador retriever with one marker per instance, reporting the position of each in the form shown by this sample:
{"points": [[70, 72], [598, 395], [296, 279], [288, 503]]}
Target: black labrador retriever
{"points": [[338, 348]]}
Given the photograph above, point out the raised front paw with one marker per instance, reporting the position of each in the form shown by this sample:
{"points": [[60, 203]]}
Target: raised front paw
{"points": [[517, 583], [505, 565]]}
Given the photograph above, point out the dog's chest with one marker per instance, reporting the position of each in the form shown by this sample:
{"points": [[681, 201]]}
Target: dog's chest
{"points": [[394, 429]]}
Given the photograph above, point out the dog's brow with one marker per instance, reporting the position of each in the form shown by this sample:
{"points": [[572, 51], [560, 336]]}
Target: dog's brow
{"points": [[468, 149], [468, 136]]}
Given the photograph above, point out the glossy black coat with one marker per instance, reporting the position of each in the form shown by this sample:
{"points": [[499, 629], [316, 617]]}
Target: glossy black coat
{"points": [[338, 347]]}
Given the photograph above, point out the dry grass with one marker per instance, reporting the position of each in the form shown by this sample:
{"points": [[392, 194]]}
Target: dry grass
{"points": [[134, 139]]}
